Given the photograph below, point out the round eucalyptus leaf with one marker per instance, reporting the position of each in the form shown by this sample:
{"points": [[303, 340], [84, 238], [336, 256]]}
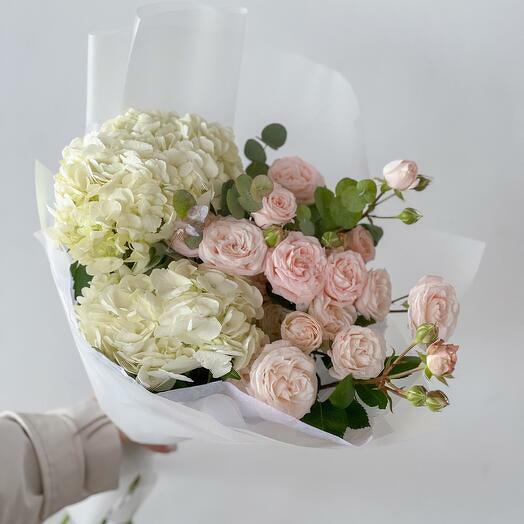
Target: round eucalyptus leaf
{"points": [[261, 186], [274, 135], [254, 151]]}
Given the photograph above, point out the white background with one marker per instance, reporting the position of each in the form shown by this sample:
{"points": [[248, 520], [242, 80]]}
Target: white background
{"points": [[438, 81]]}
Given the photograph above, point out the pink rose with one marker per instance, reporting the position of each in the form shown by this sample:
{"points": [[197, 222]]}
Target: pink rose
{"points": [[376, 296], [346, 276], [233, 246], [302, 331], [295, 268], [360, 240], [279, 207], [330, 316], [357, 351], [298, 176], [441, 358], [285, 378], [433, 301], [401, 174]]}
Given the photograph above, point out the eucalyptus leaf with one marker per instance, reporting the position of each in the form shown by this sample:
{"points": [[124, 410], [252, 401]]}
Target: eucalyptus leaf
{"points": [[249, 204], [226, 186], [274, 135], [243, 184], [303, 212], [352, 200], [254, 151], [233, 204], [257, 168], [193, 242], [262, 186], [344, 184], [306, 226], [183, 201]]}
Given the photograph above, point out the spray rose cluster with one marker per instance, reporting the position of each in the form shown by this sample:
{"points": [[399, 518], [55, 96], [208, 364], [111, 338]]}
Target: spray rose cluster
{"points": [[261, 276]]}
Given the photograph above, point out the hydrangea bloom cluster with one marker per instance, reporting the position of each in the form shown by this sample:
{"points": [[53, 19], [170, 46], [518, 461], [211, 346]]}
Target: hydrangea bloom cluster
{"points": [[114, 189], [177, 319]]}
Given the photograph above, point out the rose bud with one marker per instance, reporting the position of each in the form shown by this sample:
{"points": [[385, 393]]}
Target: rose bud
{"points": [[436, 401], [409, 216], [417, 395], [426, 333], [401, 174], [273, 236], [441, 358], [331, 239]]}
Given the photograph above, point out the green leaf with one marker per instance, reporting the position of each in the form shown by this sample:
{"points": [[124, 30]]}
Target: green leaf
{"points": [[303, 212], [342, 217], [254, 151], [81, 278], [352, 200], [427, 373], [257, 168], [371, 396], [344, 184], [306, 226], [325, 416], [423, 182], [367, 189], [376, 232], [406, 364], [323, 200], [262, 186], [233, 204], [274, 135], [183, 201], [250, 205], [232, 374], [364, 322], [399, 194], [343, 394], [357, 416], [226, 186], [243, 184], [193, 242]]}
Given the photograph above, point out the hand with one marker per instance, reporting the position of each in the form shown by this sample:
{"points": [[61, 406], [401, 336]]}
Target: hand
{"points": [[157, 448]]}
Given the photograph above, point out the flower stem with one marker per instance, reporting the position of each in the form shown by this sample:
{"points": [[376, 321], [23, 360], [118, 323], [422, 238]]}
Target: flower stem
{"points": [[399, 299], [398, 310]]}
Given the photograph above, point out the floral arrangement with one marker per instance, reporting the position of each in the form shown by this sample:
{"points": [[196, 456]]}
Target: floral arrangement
{"points": [[190, 269]]}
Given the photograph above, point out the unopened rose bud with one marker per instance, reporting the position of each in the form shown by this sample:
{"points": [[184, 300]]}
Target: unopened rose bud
{"points": [[273, 236], [441, 358], [409, 215], [331, 239], [423, 182], [417, 395], [426, 333], [436, 400]]}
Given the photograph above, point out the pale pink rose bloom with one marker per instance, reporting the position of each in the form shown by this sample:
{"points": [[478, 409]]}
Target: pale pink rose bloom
{"points": [[295, 268], [346, 276], [285, 378], [302, 330], [433, 301], [278, 208], [330, 316], [360, 240], [441, 358], [357, 351], [298, 176], [401, 174], [375, 300], [233, 246], [271, 322]]}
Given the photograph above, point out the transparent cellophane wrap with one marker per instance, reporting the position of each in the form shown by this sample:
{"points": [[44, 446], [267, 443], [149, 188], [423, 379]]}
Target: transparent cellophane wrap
{"points": [[198, 59]]}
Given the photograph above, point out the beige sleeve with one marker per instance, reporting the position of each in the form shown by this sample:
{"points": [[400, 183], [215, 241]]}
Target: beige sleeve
{"points": [[50, 461]]}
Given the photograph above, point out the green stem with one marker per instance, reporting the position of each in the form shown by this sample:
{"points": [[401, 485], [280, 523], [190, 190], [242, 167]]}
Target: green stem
{"points": [[376, 216], [403, 297], [398, 310], [405, 374]]}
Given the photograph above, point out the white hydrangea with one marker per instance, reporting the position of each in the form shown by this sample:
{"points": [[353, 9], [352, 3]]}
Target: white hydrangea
{"points": [[177, 319], [114, 189]]}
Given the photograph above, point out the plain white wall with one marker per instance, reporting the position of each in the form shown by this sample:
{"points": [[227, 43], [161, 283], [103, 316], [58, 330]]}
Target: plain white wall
{"points": [[440, 81]]}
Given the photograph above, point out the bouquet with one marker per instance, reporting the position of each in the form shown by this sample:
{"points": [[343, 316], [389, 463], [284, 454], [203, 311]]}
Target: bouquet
{"points": [[215, 297]]}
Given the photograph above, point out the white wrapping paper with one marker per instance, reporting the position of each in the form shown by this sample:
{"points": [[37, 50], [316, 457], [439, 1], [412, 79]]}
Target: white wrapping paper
{"points": [[189, 59]]}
